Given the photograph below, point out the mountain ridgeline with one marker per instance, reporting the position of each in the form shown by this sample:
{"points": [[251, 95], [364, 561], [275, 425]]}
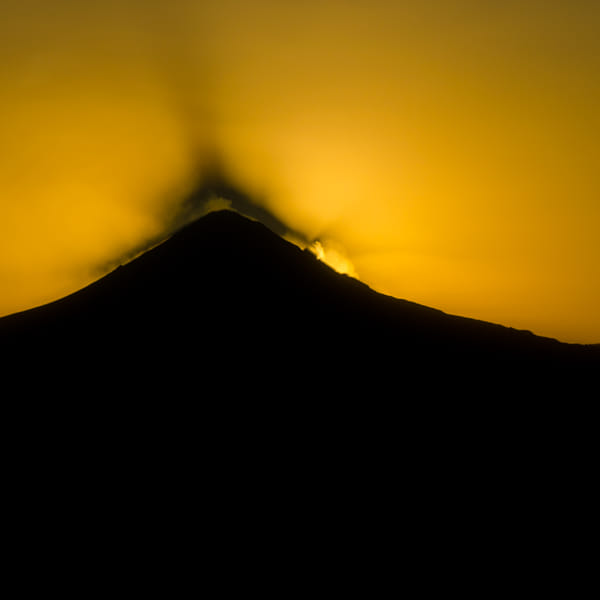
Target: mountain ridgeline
{"points": [[225, 300], [228, 382]]}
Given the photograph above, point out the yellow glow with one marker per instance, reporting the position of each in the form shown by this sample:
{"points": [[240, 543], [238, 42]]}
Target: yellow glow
{"points": [[446, 150], [334, 257]]}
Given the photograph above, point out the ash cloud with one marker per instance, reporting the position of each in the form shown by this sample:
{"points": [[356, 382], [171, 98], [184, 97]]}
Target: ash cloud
{"points": [[215, 190]]}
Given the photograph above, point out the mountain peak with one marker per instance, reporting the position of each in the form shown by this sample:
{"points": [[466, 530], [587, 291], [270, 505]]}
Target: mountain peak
{"points": [[225, 218], [225, 287], [224, 222]]}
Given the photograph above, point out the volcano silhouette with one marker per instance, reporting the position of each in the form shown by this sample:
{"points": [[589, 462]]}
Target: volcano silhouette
{"points": [[225, 299], [228, 382]]}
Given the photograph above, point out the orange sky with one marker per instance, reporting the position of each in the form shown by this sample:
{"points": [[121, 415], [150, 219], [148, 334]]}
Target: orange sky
{"points": [[448, 149]]}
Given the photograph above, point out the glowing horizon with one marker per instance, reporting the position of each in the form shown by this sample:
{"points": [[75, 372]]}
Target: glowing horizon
{"points": [[446, 152]]}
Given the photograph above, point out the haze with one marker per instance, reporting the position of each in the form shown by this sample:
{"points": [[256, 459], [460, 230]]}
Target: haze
{"points": [[448, 150]]}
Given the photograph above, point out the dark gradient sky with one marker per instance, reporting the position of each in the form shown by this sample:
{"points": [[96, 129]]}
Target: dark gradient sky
{"points": [[446, 151]]}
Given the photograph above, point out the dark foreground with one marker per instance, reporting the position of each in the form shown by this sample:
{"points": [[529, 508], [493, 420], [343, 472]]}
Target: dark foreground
{"points": [[228, 406]]}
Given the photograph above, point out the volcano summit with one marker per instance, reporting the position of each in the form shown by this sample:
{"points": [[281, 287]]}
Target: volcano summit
{"points": [[225, 295]]}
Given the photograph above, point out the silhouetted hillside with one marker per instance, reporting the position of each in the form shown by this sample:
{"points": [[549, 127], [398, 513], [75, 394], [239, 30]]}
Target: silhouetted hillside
{"points": [[228, 381], [225, 300]]}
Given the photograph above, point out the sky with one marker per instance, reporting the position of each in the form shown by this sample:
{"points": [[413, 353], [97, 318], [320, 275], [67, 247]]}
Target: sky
{"points": [[446, 152]]}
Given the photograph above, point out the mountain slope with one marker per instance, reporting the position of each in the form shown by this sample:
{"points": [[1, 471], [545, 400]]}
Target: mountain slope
{"points": [[227, 381], [226, 294]]}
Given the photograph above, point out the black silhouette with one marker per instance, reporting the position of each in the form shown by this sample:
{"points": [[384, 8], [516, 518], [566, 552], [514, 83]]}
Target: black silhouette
{"points": [[227, 303], [228, 381]]}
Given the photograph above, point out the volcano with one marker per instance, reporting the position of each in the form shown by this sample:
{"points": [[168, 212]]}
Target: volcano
{"points": [[228, 374], [226, 300]]}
